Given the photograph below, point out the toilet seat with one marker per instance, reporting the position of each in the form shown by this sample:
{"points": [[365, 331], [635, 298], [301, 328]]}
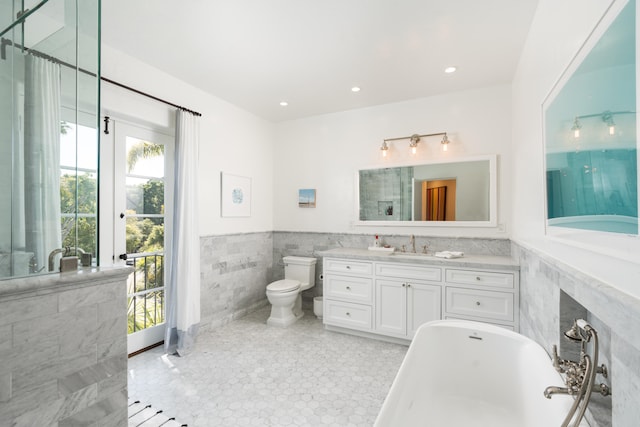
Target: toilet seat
{"points": [[285, 285]]}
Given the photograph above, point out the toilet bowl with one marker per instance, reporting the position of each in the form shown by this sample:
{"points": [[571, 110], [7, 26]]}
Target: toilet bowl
{"points": [[285, 296]]}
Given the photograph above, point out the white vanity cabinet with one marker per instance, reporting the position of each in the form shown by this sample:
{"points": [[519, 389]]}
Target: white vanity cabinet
{"points": [[380, 297], [404, 299], [348, 294], [482, 295]]}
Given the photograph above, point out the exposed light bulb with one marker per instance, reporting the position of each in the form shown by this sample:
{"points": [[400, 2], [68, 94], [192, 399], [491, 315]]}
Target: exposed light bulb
{"points": [[414, 149], [576, 128], [612, 130], [445, 142], [384, 149]]}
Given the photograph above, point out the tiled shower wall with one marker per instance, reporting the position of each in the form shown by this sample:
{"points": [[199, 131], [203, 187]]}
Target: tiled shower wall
{"points": [[551, 296], [63, 347]]}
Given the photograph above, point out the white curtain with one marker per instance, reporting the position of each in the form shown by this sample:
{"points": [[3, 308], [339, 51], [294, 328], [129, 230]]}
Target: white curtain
{"points": [[42, 158], [183, 289]]}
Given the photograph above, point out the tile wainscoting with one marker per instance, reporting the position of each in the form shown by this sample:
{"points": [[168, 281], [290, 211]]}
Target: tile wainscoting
{"points": [[552, 294], [309, 243], [235, 270]]}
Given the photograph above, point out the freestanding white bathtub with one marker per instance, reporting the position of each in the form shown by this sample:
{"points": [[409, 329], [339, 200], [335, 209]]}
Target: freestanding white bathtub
{"points": [[468, 374]]}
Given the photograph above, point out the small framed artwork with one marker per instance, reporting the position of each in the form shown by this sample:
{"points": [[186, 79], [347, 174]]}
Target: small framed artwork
{"points": [[307, 198], [235, 195]]}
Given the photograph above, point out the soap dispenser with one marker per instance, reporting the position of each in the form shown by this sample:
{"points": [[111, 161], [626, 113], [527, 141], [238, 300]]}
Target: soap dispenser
{"points": [[376, 242]]}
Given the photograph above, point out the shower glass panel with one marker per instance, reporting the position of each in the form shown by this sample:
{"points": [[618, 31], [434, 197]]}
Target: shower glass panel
{"points": [[49, 123]]}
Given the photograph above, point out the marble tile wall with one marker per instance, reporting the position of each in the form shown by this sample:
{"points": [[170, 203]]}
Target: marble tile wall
{"points": [[307, 244], [235, 271], [551, 296], [63, 349]]}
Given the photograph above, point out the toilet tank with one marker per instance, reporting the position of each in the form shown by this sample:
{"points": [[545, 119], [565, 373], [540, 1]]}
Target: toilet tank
{"points": [[298, 268]]}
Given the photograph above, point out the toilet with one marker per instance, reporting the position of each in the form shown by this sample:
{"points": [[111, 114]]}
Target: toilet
{"points": [[285, 295]]}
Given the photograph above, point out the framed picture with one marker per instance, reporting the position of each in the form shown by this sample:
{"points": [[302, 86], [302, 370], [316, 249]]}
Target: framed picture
{"points": [[307, 198], [235, 196]]}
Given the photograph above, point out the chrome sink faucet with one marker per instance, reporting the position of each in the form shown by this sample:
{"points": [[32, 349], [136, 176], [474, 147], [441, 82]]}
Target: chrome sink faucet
{"points": [[412, 242], [52, 255]]}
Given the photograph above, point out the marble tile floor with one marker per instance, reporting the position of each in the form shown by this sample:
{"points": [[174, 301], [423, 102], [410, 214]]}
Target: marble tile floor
{"points": [[249, 374]]}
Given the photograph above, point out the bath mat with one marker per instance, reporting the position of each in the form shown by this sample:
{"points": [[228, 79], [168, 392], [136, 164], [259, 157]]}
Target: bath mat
{"points": [[144, 415]]}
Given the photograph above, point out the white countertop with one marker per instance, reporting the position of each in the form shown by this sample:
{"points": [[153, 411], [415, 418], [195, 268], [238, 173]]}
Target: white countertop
{"points": [[44, 283], [467, 261]]}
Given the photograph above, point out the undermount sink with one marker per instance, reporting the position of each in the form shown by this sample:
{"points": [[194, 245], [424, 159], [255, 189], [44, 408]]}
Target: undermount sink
{"points": [[412, 254]]}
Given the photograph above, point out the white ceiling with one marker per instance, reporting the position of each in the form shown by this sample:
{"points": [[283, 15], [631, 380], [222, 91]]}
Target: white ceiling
{"points": [[256, 53]]}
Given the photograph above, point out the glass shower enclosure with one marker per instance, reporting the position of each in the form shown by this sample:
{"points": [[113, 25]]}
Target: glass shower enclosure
{"points": [[49, 134]]}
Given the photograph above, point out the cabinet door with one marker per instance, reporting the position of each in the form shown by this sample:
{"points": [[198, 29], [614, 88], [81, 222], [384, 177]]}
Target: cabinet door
{"points": [[391, 311], [423, 305]]}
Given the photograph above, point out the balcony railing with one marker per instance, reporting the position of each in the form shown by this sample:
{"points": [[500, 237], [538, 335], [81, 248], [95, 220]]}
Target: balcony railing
{"points": [[145, 291]]}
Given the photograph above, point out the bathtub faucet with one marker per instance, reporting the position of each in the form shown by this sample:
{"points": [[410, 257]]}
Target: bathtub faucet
{"points": [[580, 376], [551, 390]]}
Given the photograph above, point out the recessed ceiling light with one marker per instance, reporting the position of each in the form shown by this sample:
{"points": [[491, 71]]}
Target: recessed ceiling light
{"points": [[450, 70], [283, 103], [355, 89]]}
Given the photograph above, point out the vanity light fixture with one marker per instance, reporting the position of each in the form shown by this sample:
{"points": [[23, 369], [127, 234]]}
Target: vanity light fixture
{"points": [[384, 149], [413, 142], [576, 128], [607, 117], [445, 142]]}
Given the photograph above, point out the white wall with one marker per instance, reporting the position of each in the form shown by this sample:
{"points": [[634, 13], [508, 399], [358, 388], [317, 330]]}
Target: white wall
{"points": [[231, 139], [324, 152], [557, 32]]}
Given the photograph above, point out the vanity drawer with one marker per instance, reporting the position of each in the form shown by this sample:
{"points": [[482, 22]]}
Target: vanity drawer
{"points": [[487, 304], [349, 288], [349, 315], [347, 266], [480, 278], [409, 271]]}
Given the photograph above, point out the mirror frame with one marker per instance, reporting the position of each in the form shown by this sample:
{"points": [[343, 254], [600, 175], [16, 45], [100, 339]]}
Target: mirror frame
{"points": [[554, 227], [493, 195]]}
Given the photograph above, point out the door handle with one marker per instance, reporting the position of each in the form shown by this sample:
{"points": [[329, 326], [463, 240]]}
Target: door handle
{"points": [[123, 257]]}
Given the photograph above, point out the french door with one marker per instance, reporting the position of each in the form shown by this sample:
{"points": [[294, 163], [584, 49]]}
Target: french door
{"points": [[143, 195]]}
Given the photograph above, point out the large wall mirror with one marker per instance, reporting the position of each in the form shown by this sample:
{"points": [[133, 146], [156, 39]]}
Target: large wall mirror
{"points": [[591, 134], [460, 192]]}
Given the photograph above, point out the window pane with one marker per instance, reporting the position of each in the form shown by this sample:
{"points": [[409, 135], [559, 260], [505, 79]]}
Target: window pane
{"points": [[145, 158], [145, 234], [145, 196]]}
